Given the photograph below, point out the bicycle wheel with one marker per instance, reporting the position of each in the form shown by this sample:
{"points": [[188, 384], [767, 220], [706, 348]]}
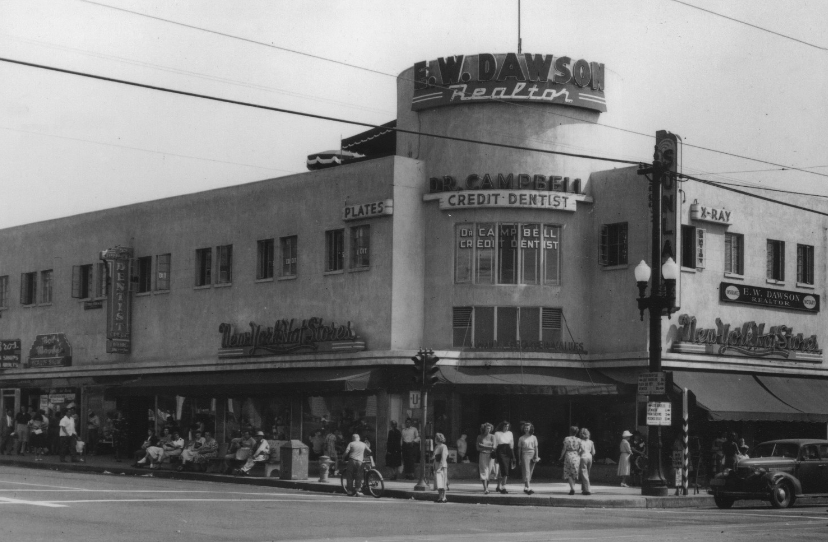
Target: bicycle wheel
{"points": [[374, 483], [343, 479]]}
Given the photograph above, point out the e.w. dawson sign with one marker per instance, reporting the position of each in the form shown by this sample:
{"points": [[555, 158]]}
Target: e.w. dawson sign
{"points": [[766, 297], [509, 77], [288, 337]]}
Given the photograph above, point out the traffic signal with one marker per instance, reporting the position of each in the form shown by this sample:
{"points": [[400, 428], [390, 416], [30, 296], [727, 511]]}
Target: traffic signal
{"points": [[419, 368], [431, 369]]}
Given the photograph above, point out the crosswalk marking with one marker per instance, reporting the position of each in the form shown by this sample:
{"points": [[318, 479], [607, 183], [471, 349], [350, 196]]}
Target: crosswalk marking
{"points": [[7, 500]]}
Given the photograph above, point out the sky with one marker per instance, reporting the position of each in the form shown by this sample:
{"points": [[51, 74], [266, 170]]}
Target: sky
{"points": [[70, 144]]}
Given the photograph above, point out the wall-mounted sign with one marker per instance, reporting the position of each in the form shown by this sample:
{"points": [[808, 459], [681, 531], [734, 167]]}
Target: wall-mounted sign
{"points": [[119, 301], [748, 340], [659, 414], [564, 347], [9, 353], [706, 213], [414, 399], [767, 297], [510, 77], [668, 146], [368, 210], [508, 181], [93, 304], [652, 383], [509, 200], [52, 350], [289, 337]]}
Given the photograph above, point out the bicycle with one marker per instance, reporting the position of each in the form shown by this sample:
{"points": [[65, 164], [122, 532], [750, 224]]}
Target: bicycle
{"points": [[372, 481]]}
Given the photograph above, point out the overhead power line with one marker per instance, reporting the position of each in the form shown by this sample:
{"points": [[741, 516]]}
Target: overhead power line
{"points": [[752, 25], [378, 72], [312, 115]]}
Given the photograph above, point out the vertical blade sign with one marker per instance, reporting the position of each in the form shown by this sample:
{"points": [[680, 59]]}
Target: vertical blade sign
{"points": [[119, 300], [670, 147]]}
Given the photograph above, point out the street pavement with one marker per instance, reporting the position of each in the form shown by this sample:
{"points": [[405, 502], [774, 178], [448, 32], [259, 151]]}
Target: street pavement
{"points": [[547, 492], [56, 506]]}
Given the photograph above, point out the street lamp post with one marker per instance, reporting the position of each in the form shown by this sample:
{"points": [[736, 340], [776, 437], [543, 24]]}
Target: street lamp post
{"points": [[658, 302]]}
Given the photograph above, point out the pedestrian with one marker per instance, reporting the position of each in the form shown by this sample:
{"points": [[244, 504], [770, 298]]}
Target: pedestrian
{"points": [[410, 440], [440, 467], [93, 432], [504, 454], [587, 453], [6, 431], [528, 448], [571, 457], [38, 427], [624, 458], [119, 435], [354, 454], [462, 449], [330, 448], [68, 436], [485, 448], [21, 430], [730, 449], [393, 450]]}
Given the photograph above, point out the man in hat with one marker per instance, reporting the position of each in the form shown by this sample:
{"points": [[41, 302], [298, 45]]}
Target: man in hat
{"points": [[261, 454]]}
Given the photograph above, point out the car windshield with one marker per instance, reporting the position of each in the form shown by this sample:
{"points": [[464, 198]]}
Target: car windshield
{"points": [[771, 449]]}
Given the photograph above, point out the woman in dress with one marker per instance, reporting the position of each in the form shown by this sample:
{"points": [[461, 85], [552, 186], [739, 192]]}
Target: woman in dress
{"points": [[207, 452], [504, 454], [485, 447], [587, 453], [571, 456], [624, 458], [528, 448], [38, 427], [440, 467], [190, 452]]}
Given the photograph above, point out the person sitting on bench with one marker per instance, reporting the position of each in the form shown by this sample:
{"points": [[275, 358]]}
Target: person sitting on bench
{"points": [[239, 450], [261, 454]]}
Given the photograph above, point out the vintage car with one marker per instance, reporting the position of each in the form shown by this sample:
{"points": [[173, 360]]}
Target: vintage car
{"points": [[779, 471]]}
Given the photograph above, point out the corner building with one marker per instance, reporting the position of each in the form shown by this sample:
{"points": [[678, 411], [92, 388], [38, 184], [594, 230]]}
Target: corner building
{"points": [[295, 304]]}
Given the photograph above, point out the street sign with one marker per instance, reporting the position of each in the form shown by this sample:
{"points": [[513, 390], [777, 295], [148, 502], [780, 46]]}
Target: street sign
{"points": [[414, 399], [678, 459], [659, 414], [652, 383]]}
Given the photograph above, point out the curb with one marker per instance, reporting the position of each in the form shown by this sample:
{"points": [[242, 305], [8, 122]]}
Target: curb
{"points": [[695, 501]]}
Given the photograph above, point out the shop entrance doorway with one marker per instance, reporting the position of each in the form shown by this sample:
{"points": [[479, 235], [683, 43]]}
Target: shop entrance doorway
{"points": [[10, 399]]}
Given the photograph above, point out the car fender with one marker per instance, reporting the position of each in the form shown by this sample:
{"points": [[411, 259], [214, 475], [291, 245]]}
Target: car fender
{"points": [[771, 478]]}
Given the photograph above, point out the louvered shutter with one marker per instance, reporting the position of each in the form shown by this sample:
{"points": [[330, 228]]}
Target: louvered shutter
{"points": [[76, 281], [603, 247]]}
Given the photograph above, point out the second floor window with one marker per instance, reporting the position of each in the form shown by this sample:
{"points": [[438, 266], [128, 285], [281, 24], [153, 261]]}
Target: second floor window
{"points": [[46, 286], [28, 288], [224, 264], [805, 264], [162, 272], [486, 327], [735, 253], [289, 256], [360, 247], [264, 260], [4, 291], [776, 260], [335, 250], [692, 247], [82, 281], [144, 272], [613, 244], [204, 267]]}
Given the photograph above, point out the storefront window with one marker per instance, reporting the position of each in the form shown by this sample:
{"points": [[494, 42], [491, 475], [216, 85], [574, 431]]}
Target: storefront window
{"points": [[268, 414], [347, 414]]}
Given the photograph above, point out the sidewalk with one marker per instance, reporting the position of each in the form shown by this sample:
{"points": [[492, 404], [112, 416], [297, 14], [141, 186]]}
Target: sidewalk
{"points": [[547, 492]]}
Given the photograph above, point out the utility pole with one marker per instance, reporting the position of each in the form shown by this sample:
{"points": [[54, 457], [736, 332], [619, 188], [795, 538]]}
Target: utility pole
{"points": [[425, 375]]}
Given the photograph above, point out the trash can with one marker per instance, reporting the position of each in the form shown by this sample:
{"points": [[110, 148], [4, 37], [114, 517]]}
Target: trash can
{"points": [[294, 464]]}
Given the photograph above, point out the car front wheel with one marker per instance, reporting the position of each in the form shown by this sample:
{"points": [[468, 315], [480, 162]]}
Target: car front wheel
{"points": [[782, 494], [723, 501]]}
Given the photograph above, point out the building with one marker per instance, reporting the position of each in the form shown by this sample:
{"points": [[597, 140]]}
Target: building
{"points": [[295, 304]]}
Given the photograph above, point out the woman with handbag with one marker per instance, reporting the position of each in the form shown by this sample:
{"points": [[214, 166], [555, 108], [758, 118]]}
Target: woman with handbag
{"points": [[485, 447], [528, 446], [571, 457], [440, 467], [38, 427]]}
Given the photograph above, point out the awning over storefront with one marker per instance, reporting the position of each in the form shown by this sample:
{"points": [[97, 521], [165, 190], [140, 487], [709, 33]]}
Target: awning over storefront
{"points": [[739, 397], [808, 395], [529, 380], [307, 381]]}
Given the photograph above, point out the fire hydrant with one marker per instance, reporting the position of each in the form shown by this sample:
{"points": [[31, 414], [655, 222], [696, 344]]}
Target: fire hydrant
{"points": [[324, 466]]}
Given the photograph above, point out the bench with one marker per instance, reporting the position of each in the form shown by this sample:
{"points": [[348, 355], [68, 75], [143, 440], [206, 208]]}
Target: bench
{"points": [[267, 469]]}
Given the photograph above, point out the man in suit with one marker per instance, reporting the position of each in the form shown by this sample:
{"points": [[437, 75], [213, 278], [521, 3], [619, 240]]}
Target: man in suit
{"points": [[6, 431]]}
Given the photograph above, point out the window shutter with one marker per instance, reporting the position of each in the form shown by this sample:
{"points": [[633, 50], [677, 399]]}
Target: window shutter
{"points": [[23, 288], [782, 261], [76, 281], [603, 247], [700, 248], [729, 254], [551, 318], [770, 260]]}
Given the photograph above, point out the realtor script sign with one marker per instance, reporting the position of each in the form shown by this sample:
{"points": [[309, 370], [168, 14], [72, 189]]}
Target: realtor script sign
{"points": [[289, 337]]}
